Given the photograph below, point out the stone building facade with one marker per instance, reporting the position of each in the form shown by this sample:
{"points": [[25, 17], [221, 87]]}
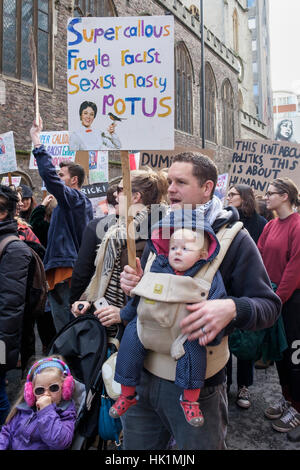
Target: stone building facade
{"points": [[223, 118]]}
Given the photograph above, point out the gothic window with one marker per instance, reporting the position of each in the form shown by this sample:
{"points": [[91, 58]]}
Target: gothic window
{"points": [[210, 104], [183, 90], [94, 8], [227, 115], [16, 18]]}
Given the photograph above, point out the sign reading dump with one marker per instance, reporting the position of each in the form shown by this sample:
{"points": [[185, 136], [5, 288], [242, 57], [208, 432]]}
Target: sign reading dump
{"points": [[121, 83], [257, 163]]}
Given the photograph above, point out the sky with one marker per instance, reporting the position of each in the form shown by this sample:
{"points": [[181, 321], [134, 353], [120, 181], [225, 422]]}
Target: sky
{"points": [[284, 39]]}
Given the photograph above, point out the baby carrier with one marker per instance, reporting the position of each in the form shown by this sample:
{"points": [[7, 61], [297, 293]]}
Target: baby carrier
{"points": [[84, 344], [161, 310]]}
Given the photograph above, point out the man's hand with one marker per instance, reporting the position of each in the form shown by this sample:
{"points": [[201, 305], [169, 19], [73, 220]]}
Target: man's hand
{"points": [[130, 277], [108, 315], [207, 319], [35, 131], [111, 128]]}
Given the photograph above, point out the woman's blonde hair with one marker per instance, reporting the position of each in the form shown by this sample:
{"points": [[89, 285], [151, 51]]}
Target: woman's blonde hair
{"points": [[152, 186], [20, 396]]}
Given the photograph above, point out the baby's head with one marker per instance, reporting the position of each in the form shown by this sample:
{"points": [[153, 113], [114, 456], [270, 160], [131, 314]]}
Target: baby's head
{"points": [[50, 377], [186, 247]]}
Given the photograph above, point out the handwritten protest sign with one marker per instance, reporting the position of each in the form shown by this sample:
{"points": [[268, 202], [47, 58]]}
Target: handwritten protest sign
{"points": [[159, 160], [8, 162], [123, 67], [57, 145], [15, 180], [257, 163]]}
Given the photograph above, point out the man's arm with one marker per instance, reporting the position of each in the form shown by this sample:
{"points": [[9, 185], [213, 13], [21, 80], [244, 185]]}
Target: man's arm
{"points": [[47, 171]]}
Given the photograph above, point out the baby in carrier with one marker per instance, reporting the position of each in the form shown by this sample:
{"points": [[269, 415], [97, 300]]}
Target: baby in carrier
{"points": [[188, 252]]}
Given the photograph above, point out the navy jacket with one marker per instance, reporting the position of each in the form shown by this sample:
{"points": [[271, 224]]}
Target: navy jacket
{"points": [[69, 219]]}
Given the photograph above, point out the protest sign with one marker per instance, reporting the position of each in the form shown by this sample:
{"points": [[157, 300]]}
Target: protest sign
{"points": [[15, 180], [95, 190], [8, 162], [98, 166], [221, 186], [123, 67], [257, 163], [159, 160], [57, 145]]}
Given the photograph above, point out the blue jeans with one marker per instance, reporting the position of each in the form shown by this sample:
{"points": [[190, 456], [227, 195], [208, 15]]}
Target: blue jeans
{"points": [[4, 403], [59, 299], [158, 416]]}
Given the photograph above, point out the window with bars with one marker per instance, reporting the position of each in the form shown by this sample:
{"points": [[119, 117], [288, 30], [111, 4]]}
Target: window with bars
{"points": [[183, 90], [16, 18], [227, 114], [94, 8], [210, 105]]}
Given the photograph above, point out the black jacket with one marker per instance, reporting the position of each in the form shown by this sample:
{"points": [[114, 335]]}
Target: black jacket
{"points": [[14, 265]]}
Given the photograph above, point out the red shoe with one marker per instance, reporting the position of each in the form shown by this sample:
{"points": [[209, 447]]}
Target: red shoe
{"points": [[121, 406], [192, 412]]}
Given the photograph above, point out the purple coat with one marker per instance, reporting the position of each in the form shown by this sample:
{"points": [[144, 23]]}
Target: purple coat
{"points": [[51, 428]]}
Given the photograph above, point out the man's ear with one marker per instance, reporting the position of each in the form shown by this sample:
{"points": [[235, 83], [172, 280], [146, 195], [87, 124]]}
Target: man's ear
{"points": [[208, 188], [74, 180]]}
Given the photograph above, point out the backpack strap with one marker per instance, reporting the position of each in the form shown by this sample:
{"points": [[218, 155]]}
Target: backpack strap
{"points": [[6, 241], [225, 236]]}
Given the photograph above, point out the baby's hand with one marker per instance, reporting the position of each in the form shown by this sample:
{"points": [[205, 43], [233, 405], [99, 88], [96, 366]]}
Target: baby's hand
{"points": [[43, 402]]}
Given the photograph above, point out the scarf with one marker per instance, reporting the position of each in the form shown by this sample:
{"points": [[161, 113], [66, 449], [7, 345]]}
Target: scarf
{"points": [[108, 257]]}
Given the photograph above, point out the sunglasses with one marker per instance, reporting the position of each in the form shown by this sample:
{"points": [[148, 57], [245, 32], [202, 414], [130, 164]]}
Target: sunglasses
{"points": [[119, 189], [54, 388]]}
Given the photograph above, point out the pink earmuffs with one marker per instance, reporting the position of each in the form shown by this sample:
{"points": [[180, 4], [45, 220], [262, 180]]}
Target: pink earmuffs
{"points": [[68, 384]]}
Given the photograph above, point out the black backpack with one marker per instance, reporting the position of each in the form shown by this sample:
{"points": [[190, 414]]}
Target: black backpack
{"points": [[37, 288]]}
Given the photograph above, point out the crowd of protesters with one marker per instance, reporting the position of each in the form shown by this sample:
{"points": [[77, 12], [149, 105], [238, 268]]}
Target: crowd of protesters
{"points": [[86, 259]]}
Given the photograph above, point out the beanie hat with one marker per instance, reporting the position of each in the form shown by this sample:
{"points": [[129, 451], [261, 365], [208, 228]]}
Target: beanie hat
{"points": [[26, 191]]}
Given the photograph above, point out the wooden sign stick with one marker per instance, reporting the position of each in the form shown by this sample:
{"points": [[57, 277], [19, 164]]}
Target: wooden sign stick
{"points": [[32, 51], [129, 219], [9, 178]]}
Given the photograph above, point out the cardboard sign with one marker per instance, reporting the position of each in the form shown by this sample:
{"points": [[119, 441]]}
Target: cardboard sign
{"points": [[57, 145], [121, 73], [8, 162], [257, 163], [95, 190], [159, 160]]}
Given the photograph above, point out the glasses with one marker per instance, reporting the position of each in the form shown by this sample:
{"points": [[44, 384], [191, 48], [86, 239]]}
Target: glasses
{"points": [[270, 193], [230, 195], [119, 189], [54, 388]]}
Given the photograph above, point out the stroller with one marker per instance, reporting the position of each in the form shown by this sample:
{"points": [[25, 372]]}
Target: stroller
{"points": [[84, 345]]}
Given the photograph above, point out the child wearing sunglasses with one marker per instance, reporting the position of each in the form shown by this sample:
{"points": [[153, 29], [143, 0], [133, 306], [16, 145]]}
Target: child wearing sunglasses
{"points": [[44, 415]]}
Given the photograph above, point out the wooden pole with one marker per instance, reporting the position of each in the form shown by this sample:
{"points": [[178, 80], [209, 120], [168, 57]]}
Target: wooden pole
{"points": [[9, 178], [129, 219], [32, 51]]}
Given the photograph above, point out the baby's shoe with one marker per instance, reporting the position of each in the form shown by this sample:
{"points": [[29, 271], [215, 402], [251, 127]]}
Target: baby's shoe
{"points": [[192, 412], [121, 405]]}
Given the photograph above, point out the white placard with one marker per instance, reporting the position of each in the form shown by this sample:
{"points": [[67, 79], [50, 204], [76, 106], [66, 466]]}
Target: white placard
{"points": [[121, 73], [15, 180], [8, 161], [57, 145]]}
